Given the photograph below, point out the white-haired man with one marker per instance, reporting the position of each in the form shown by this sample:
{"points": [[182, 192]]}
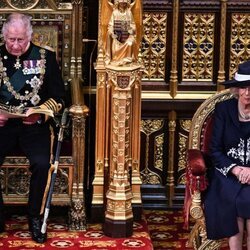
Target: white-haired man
{"points": [[29, 76]]}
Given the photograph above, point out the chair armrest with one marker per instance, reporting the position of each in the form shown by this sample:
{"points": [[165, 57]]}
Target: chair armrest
{"points": [[196, 162], [196, 180], [196, 170]]}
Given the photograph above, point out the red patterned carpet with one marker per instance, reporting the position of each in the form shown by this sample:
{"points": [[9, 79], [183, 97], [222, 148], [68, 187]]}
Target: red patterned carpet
{"points": [[159, 230], [166, 230], [17, 237]]}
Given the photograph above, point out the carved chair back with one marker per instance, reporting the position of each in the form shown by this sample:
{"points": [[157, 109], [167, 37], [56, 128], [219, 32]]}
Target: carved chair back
{"points": [[48, 32], [202, 122]]}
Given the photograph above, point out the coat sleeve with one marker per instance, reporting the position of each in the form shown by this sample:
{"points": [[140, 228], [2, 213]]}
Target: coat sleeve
{"points": [[54, 92], [218, 154]]}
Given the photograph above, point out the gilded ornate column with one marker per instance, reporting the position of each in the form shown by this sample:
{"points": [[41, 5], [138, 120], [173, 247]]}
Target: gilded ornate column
{"points": [[174, 72], [101, 154], [79, 112], [170, 170], [135, 147], [119, 214], [221, 72], [116, 185]]}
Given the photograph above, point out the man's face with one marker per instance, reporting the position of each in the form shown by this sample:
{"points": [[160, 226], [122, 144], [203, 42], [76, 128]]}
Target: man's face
{"points": [[16, 39]]}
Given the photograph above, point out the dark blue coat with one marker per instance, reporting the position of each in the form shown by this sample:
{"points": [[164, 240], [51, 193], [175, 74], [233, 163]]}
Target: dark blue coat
{"points": [[230, 146]]}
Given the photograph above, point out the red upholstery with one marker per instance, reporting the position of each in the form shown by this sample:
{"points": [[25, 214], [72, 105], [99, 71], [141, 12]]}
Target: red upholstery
{"points": [[196, 162], [206, 134]]}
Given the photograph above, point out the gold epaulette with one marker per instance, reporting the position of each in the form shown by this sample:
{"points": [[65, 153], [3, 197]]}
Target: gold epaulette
{"points": [[51, 104]]}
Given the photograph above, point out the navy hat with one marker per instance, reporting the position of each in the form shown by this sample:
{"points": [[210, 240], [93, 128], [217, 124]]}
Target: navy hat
{"points": [[241, 78]]}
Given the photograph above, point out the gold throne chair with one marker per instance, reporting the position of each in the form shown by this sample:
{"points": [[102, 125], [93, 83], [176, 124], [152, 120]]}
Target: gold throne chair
{"points": [[197, 164], [57, 26]]}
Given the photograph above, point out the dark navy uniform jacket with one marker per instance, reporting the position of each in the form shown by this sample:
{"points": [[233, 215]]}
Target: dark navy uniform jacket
{"points": [[52, 86], [230, 146], [22, 79]]}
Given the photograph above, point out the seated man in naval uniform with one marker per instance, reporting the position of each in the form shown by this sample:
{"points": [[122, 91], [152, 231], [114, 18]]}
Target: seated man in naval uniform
{"points": [[29, 76]]}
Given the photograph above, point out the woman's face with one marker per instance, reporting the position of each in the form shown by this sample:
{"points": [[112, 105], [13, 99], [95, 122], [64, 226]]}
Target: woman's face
{"points": [[244, 95]]}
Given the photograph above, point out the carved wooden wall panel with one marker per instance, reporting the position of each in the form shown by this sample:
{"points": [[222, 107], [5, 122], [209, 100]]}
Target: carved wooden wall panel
{"points": [[154, 45], [153, 162], [184, 128], [198, 47], [240, 40]]}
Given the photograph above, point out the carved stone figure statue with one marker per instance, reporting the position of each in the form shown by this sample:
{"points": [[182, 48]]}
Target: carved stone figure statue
{"points": [[121, 31]]}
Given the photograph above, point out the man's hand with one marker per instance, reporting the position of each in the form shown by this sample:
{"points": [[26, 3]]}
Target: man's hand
{"points": [[32, 119], [3, 120]]}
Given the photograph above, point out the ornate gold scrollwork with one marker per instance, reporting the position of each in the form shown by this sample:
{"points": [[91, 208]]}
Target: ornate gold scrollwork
{"points": [[158, 154], [148, 127], [183, 142], [18, 181], [198, 236], [183, 139], [22, 4]]}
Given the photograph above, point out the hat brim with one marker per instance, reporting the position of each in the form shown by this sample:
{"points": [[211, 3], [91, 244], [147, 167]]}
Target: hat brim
{"points": [[236, 84]]}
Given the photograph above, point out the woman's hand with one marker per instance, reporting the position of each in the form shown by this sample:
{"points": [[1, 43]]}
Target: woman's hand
{"points": [[236, 171], [244, 175]]}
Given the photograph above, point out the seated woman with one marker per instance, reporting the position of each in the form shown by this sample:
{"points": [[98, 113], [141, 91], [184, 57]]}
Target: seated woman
{"points": [[227, 201]]}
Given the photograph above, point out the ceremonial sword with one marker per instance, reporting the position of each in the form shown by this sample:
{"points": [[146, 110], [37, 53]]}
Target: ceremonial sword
{"points": [[52, 174]]}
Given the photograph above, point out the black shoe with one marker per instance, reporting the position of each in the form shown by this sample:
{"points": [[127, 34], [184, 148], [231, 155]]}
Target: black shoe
{"points": [[2, 222], [2, 226], [35, 229]]}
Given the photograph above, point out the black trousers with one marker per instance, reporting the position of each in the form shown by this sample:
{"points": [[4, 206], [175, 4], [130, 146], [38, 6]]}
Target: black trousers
{"points": [[34, 141]]}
